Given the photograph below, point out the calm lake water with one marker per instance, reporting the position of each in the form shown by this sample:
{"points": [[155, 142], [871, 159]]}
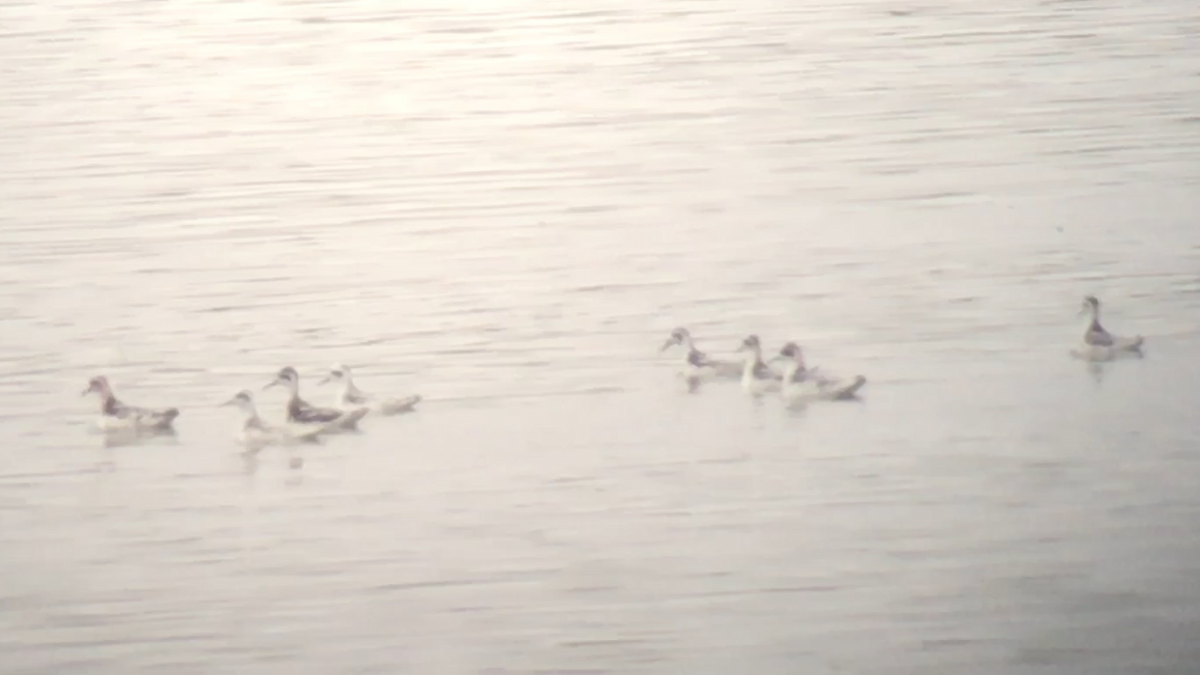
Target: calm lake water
{"points": [[505, 207]]}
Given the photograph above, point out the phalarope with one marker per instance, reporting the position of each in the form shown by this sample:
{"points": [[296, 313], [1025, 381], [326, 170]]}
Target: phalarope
{"points": [[757, 376], [255, 433], [351, 397], [117, 416], [300, 411], [696, 364], [802, 383], [1097, 343]]}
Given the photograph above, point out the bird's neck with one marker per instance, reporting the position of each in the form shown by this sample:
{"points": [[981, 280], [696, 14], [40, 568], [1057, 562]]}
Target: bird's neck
{"points": [[796, 366], [252, 420], [346, 389]]}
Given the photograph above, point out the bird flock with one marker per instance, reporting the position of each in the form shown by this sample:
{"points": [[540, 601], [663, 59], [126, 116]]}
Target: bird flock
{"points": [[799, 384], [303, 422], [796, 382]]}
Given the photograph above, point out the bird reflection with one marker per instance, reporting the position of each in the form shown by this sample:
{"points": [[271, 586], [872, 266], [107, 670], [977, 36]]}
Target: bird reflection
{"points": [[796, 408], [250, 462], [119, 438]]}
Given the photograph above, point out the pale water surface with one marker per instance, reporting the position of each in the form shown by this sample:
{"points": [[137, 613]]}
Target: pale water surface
{"points": [[506, 206]]}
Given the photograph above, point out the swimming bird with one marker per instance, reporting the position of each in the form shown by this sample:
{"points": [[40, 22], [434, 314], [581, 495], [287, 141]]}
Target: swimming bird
{"points": [[698, 366], [350, 397], [1097, 343], [757, 376], [117, 416], [256, 433], [801, 383], [301, 411]]}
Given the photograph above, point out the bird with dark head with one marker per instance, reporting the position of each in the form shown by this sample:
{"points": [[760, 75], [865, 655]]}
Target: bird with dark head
{"points": [[801, 383], [697, 366], [679, 336], [792, 351], [1098, 344], [751, 343], [302, 412], [757, 376], [242, 400], [256, 433], [286, 377], [796, 368], [350, 397], [117, 415]]}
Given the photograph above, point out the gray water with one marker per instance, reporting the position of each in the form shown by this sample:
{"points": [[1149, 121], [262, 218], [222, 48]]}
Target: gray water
{"points": [[505, 207]]}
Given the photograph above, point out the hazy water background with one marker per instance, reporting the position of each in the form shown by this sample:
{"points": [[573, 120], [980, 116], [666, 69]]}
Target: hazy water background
{"points": [[505, 206]]}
